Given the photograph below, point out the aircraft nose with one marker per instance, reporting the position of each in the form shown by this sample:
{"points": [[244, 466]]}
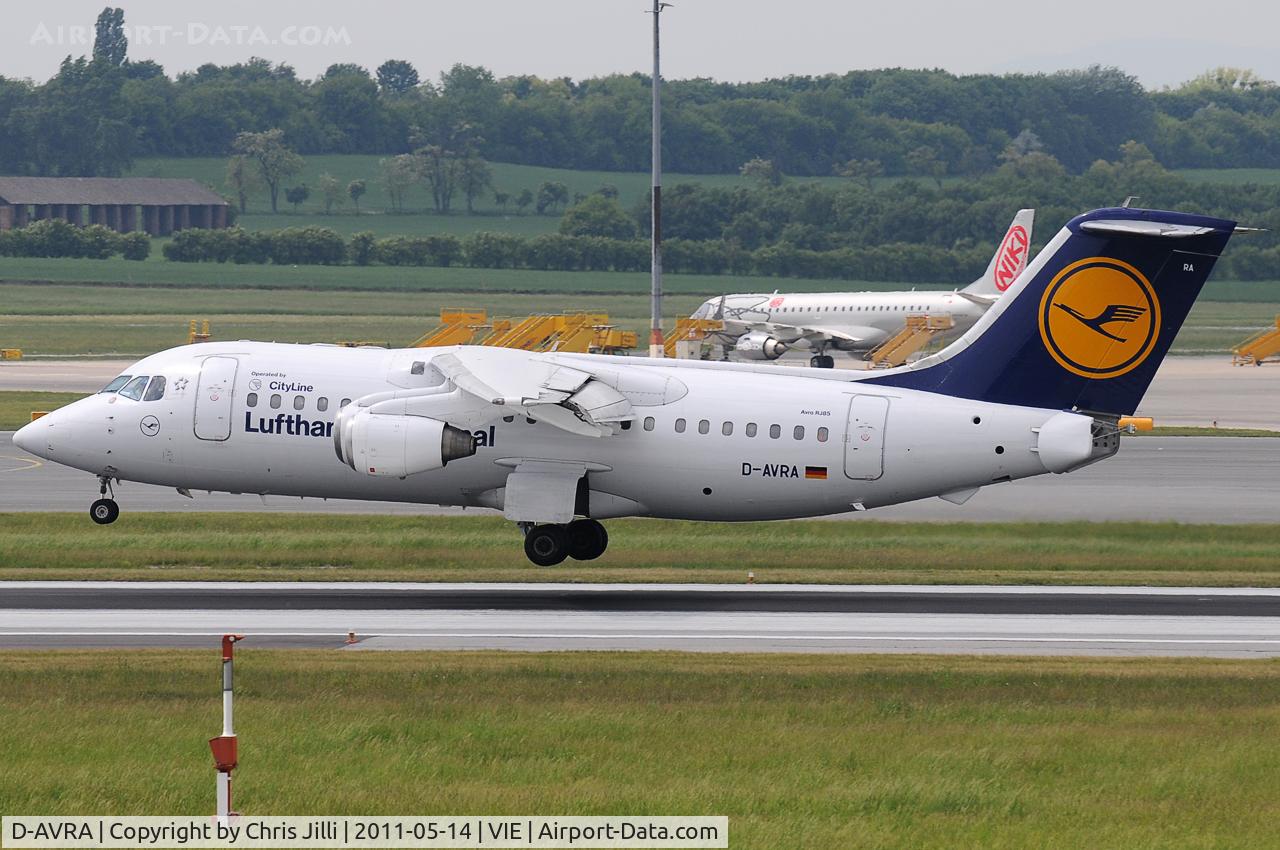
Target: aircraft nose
{"points": [[29, 436]]}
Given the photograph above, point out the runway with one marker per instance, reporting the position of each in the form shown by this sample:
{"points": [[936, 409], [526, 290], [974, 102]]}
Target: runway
{"points": [[1227, 622], [1169, 479]]}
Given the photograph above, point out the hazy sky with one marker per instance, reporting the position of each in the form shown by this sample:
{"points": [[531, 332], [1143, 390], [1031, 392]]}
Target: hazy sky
{"points": [[1162, 43]]}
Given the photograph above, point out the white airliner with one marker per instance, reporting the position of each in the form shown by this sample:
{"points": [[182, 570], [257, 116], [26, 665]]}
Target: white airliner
{"points": [[764, 327], [560, 442]]}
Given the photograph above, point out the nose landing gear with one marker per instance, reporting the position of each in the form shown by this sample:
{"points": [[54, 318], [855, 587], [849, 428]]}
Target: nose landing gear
{"points": [[104, 511], [548, 545]]}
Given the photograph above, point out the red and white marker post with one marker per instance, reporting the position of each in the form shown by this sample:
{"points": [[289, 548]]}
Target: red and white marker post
{"points": [[224, 746]]}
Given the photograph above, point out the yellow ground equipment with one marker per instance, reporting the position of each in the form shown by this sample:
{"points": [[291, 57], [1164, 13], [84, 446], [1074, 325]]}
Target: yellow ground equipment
{"points": [[36, 414], [569, 332], [10, 353], [685, 339], [201, 334], [1257, 348], [915, 335], [457, 327]]}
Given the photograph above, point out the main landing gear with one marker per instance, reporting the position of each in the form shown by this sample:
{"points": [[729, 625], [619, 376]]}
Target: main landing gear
{"points": [[105, 510], [582, 540], [822, 361]]}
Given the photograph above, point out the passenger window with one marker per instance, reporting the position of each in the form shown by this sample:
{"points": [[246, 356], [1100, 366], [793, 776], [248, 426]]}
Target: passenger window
{"points": [[322, 404], [134, 388], [727, 429], [798, 433], [751, 429], [822, 435], [649, 423], [155, 390], [704, 427], [679, 426], [299, 402], [275, 401], [775, 431], [115, 385], [251, 399], [344, 403]]}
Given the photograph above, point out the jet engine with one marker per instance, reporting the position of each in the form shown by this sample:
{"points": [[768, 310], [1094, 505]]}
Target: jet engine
{"points": [[397, 445], [758, 345]]}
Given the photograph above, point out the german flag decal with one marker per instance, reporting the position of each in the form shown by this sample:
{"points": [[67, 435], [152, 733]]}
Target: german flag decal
{"points": [[816, 472]]}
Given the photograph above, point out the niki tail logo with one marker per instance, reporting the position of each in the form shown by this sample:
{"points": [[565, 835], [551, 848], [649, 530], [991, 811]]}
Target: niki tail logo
{"points": [[1099, 318], [1012, 258]]}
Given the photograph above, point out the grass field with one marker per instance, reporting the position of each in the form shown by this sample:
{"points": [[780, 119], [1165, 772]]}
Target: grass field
{"points": [[158, 272], [1193, 431], [632, 185], [16, 407], [798, 751], [173, 546], [78, 319], [383, 224]]}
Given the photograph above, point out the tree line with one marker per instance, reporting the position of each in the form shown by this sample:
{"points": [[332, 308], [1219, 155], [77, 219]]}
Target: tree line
{"points": [[100, 112], [909, 231]]}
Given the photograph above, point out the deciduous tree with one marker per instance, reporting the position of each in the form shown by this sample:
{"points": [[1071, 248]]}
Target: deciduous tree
{"points": [[274, 160]]}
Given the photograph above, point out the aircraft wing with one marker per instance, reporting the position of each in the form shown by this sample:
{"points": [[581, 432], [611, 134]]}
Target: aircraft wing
{"points": [[981, 300], [477, 385], [537, 386], [795, 333]]}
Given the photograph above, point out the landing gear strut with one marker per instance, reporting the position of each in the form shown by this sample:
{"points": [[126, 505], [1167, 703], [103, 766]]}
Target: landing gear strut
{"points": [[105, 510], [548, 545]]}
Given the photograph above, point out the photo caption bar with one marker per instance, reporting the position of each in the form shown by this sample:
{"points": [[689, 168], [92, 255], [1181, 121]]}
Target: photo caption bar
{"points": [[375, 831]]}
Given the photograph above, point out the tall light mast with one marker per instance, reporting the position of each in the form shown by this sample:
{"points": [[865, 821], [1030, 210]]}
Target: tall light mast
{"points": [[655, 306]]}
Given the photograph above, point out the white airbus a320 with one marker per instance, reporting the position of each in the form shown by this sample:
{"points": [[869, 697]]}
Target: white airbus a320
{"points": [[560, 442], [764, 326]]}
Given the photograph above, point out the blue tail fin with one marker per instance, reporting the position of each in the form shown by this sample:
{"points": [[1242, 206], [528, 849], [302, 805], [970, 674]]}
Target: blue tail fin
{"points": [[1086, 325]]}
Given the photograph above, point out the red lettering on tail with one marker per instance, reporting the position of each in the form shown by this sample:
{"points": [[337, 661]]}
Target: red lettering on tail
{"points": [[1012, 257]]}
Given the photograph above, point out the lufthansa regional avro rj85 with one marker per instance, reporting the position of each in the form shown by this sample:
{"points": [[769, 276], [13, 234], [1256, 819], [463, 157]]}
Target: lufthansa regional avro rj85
{"points": [[560, 442], [764, 327]]}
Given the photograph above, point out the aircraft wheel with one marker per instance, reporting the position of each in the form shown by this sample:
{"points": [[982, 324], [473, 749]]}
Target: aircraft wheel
{"points": [[104, 511], [822, 361], [547, 545], [587, 539]]}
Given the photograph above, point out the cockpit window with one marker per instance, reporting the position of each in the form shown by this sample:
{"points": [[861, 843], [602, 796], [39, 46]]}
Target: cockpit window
{"points": [[115, 385], [155, 390], [134, 388]]}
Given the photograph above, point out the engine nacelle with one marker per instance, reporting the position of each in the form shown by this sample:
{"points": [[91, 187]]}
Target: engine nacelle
{"points": [[397, 445], [758, 345]]}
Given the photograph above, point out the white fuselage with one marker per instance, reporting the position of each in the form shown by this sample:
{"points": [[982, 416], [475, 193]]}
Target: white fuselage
{"points": [[868, 317], [752, 446]]}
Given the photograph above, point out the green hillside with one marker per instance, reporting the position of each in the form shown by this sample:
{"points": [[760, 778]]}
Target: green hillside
{"points": [[632, 185]]}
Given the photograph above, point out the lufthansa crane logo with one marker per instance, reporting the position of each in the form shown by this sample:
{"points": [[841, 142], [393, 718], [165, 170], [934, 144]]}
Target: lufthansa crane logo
{"points": [[1099, 318]]}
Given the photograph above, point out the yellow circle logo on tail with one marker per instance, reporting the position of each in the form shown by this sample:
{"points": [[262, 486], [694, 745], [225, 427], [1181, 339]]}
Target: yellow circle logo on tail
{"points": [[1099, 318]]}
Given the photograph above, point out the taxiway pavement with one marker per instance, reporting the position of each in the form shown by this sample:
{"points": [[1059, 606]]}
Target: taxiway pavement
{"points": [[1228, 622]]}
